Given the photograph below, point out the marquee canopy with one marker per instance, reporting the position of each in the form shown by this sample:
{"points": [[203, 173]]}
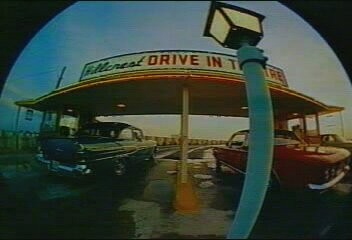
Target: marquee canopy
{"points": [[151, 83]]}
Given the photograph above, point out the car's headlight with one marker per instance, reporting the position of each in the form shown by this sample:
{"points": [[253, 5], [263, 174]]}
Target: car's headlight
{"points": [[332, 171], [327, 174]]}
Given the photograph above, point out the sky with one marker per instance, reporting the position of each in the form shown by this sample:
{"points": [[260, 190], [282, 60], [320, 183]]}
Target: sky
{"points": [[89, 30]]}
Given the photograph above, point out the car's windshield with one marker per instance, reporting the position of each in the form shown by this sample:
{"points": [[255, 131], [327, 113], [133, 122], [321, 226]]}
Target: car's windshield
{"points": [[281, 137], [100, 132]]}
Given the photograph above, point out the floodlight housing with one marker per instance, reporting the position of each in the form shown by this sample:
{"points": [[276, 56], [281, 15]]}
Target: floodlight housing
{"points": [[232, 26]]}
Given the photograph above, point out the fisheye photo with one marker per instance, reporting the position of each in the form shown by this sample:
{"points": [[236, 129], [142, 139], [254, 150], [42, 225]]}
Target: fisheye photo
{"points": [[175, 120]]}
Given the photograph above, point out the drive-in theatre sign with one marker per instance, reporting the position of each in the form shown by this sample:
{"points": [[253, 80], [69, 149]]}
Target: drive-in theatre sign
{"points": [[177, 60], [151, 82]]}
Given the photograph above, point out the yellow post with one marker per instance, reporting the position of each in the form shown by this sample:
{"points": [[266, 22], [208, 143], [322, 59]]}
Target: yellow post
{"points": [[186, 201]]}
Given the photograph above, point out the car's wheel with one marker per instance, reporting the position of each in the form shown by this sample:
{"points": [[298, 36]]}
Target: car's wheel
{"points": [[120, 168]]}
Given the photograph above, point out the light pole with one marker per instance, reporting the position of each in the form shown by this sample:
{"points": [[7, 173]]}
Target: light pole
{"points": [[241, 29]]}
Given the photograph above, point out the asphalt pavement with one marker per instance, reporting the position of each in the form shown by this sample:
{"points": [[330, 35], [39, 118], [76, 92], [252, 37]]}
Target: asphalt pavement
{"points": [[139, 205]]}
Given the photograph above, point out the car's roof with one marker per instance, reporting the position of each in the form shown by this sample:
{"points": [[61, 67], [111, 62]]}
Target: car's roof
{"points": [[276, 131], [119, 125]]}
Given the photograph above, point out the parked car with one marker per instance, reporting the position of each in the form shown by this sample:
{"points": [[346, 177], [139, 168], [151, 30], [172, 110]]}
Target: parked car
{"points": [[97, 148], [296, 165], [335, 140]]}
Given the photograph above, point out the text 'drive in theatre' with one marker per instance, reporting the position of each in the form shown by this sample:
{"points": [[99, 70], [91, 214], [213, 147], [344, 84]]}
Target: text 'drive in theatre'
{"points": [[174, 60]]}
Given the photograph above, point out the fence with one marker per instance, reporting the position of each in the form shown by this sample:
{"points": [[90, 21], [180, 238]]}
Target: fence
{"points": [[167, 141], [27, 141], [23, 141]]}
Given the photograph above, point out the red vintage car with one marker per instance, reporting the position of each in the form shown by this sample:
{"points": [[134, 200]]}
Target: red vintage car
{"points": [[295, 164]]}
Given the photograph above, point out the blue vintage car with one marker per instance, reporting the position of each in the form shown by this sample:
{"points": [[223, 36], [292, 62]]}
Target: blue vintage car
{"points": [[97, 148]]}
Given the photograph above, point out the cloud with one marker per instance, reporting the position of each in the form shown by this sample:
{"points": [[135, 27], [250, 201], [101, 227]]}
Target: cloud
{"points": [[18, 91], [8, 103]]}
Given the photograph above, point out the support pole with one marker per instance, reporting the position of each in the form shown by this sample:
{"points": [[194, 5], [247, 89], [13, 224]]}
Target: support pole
{"points": [[16, 132], [342, 126], [317, 123], [186, 200], [16, 126], [57, 121], [260, 142], [184, 133], [78, 121], [304, 121], [44, 116]]}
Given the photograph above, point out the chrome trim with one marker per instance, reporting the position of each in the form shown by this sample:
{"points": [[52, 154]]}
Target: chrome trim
{"points": [[77, 168], [101, 159], [41, 158], [115, 156], [237, 170], [233, 168], [332, 182], [70, 169]]}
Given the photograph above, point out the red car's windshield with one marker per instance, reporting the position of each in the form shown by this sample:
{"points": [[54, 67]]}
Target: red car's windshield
{"points": [[281, 137]]}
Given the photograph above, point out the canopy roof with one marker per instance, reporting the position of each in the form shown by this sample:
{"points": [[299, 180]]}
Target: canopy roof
{"points": [[151, 83], [161, 93]]}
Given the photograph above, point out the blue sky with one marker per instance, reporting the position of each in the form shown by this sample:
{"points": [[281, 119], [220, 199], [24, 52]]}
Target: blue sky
{"points": [[90, 30]]}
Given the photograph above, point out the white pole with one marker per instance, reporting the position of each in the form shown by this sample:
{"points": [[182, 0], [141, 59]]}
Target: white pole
{"points": [[184, 133], [342, 127]]}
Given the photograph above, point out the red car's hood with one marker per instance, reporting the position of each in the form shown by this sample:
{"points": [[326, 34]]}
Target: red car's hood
{"points": [[322, 153]]}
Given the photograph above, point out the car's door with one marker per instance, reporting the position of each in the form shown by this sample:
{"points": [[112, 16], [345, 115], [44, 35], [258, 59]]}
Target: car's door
{"points": [[129, 143], [239, 161], [233, 153], [145, 150]]}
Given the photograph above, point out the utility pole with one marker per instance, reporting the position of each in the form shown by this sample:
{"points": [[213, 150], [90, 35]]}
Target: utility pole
{"points": [[61, 77]]}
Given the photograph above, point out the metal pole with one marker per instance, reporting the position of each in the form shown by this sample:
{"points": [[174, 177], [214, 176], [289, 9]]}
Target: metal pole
{"points": [[78, 121], [16, 125], [304, 121], [60, 78], [317, 122], [184, 133], [342, 126], [260, 142], [57, 121], [44, 115], [16, 132]]}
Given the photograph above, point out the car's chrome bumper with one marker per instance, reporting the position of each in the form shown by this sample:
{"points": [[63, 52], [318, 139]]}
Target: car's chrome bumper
{"points": [[332, 182], [62, 169]]}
